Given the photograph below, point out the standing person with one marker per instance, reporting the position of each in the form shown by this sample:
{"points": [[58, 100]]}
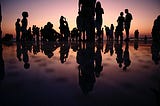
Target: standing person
{"points": [[128, 19], [87, 9], [18, 29], [99, 11], [24, 25], [120, 27], [111, 31]]}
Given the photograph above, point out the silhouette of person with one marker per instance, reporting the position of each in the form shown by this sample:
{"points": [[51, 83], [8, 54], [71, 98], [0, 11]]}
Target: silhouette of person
{"points": [[29, 34], [99, 11], [87, 9], [81, 25], [111, 31], [18, 29], [24, 25], [145, 39], [120, 28], [64, 28], [107, 32], [156, 30], [128, 19], [136, 34], [126, 57]]}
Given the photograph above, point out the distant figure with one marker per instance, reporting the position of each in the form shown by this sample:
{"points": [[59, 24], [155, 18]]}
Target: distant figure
{"points": [[24, 25], [120, 27], [107, 32], [156, 30], [136, 34], [145, 39], [99, 11], [128, 19], [29, 34], [111, 31], [18, 29]]}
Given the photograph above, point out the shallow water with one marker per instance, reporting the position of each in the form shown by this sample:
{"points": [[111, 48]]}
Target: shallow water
{"points": [[76, 73]]}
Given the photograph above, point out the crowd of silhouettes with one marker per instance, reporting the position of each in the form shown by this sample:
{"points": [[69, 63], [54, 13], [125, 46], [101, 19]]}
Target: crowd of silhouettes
{"points": [[89, 18]]}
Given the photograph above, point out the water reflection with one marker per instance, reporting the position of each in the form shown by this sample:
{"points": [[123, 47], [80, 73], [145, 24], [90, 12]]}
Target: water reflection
{"points": [[88, 53], [101, 69]]}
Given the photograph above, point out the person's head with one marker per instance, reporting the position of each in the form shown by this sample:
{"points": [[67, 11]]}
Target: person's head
{"points": [[158, 18], [18, 19], [126, 11], [121, 14], [98, 5], [25, 14]]}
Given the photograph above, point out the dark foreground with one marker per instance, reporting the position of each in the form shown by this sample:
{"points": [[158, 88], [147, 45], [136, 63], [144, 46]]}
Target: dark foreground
{"points": [[76, 74]]}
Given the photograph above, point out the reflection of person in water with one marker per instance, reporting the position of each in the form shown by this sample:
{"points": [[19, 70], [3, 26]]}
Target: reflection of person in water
{"points": [[119, 52], [19, 51], [98, 61], [126, 57], [155, 50], [64, 50], [136, 44], [85, 59], [25, 56]]}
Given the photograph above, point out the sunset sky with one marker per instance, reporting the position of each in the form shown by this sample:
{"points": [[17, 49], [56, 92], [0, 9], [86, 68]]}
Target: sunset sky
{"points": [[42, 11]]}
